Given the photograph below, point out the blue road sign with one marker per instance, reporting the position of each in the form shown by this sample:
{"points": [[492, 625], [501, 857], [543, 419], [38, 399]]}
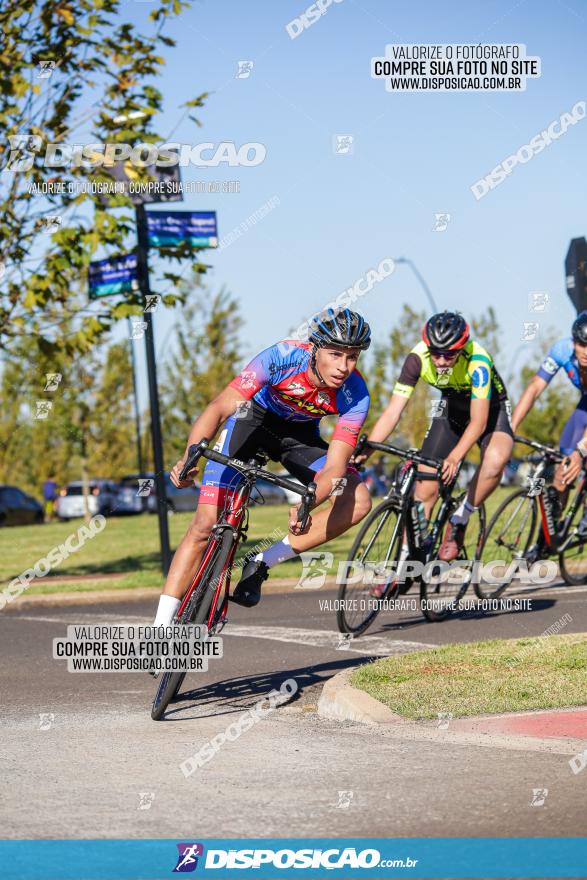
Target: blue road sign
{"points": [[198, 228], [113, 275]]}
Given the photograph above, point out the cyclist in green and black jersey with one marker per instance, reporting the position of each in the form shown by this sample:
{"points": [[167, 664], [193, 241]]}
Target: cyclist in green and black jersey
{"points": [[474, 408]]}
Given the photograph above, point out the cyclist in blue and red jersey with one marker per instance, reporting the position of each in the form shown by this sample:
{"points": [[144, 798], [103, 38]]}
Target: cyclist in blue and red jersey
{"points": [[275, 405], [569, 354]]}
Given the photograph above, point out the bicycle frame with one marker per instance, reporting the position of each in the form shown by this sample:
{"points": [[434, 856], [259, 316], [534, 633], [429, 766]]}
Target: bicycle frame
{"points": [[414, 532], [554, 540], [231, 518]]}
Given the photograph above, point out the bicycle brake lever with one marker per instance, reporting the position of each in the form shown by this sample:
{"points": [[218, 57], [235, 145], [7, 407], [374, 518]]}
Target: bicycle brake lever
{"points": [[194, 454], [304, 508]]}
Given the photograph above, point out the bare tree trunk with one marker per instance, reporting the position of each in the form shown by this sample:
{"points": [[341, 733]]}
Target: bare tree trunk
{"points": [[85, 488]]}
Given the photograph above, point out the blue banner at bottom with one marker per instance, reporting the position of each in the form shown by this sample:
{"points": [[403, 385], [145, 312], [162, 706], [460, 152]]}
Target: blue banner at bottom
{"points": [[368, 858]]}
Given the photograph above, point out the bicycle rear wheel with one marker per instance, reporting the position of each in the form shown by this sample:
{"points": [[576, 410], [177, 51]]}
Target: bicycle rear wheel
{"points": [[441, 596], [376, 546], [196, 611], [509, 535]]}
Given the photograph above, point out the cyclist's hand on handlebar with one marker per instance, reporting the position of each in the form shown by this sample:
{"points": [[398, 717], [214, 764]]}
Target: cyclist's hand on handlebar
{"points": [[361, 458], [176, 471], [294, 524], [571, 467], [449, 468]]}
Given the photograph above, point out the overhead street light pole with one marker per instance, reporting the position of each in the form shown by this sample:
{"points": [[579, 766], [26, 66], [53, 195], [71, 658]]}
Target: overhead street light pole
{"points": [[423, 284]]}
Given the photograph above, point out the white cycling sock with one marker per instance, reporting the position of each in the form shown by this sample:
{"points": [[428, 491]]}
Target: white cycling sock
{"points": [[168, 605], [278, 552], [461, 515]]}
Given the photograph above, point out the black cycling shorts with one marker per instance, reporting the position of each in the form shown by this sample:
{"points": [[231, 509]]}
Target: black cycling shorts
{"points": [[445, 431], [297, 445]]}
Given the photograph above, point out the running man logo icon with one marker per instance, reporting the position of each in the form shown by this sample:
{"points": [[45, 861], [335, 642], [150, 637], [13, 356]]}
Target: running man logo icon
{"points": [[316, 565], [45, 70], [53, 380], [245, 68], [441, 222], [138, 329], [538, 797], [343, 144], [145, 488], [187, 859], [538, 301]]}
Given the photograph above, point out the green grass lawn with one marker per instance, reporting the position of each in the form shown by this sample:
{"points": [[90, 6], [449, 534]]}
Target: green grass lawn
{"points": [[504, 675], [128, 546]]}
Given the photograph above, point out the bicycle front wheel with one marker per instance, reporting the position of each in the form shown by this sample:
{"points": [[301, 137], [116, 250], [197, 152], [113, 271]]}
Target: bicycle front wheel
{"points": [[376, 547], [510, 533], [196, 611], [573, 558]]}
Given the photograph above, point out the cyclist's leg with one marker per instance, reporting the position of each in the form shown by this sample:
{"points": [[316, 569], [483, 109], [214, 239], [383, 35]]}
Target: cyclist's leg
{"points": [[348, 505], [496, 444], [440, 440], [572, 433], [238, 438], [304, 455]]}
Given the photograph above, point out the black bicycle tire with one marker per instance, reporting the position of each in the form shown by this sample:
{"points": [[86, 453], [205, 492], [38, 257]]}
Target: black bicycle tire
{"points": [[569, 578], [172, 681], [495, 594], [343, 626], [438, 616]]}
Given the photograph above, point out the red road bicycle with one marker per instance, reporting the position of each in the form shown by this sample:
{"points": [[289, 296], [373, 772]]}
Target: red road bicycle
{"points": [[206, 601]]}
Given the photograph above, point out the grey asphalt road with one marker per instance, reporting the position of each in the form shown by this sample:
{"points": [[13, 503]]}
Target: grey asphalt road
{"points": [[95, 765]]}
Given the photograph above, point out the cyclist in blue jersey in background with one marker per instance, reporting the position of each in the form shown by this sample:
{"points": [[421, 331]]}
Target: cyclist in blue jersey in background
{"points": [[275, 405], [569, 354]]}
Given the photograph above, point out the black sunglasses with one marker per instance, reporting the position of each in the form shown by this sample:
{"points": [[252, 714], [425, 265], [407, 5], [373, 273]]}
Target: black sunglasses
{"points": [[446, 354]]}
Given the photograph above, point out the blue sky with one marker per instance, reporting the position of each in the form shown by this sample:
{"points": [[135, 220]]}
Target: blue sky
{"points": [[414, 155]]}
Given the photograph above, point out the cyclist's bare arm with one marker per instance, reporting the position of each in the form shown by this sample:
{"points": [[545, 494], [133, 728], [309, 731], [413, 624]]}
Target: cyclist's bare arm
{"points": [[207, 424], [328, 480], [386, 423], [529, 397]]}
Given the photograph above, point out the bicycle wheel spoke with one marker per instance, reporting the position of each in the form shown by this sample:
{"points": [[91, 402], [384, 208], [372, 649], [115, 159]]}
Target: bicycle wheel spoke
{"points": [[370, 577], [509, 536]]}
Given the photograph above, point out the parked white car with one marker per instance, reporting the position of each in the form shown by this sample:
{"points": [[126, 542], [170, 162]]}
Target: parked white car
{"points": [[101, 499]]}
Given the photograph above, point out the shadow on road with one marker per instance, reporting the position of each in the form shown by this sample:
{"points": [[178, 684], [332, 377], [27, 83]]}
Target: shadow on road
{"points": [[237, 694]]}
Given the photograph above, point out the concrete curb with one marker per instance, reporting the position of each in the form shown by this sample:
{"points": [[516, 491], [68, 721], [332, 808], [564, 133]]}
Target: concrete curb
{"points": [[340, 701]]}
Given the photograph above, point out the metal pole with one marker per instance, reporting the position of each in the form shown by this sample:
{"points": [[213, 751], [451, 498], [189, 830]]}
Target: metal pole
{"points": [[425, 287], [143, 275], [136, 399]]}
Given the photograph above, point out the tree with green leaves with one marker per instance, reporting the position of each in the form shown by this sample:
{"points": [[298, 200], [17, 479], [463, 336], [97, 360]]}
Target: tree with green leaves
{"points": [[65, 64], [66, 414]]}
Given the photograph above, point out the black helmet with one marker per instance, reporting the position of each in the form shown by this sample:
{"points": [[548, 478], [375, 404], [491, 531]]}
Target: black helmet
{"points": [[446, 331], [344, 329], [579, 329]]}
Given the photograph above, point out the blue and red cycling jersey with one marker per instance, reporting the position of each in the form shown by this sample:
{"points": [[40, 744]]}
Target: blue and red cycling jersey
{"points": [[277, 379], [561, 355]]}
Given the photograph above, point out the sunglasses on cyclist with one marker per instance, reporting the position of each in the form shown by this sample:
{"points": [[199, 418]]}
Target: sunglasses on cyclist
{"points": [[449, 355]]}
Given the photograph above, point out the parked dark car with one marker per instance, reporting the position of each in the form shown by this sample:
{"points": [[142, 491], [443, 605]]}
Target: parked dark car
{"points": [[17, 508]]}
